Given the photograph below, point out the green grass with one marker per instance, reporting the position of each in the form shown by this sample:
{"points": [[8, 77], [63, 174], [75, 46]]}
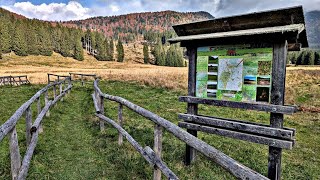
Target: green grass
{"points": [[71, 146]]}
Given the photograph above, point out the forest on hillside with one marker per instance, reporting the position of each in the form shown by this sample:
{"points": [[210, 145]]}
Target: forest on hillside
{"points": [[130, 27]]}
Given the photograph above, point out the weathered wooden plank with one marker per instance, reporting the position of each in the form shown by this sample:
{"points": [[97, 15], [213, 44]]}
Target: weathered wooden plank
{"points": [[242, 105], [14, 153], [160, 164], [192, 108], [286, 144], [96, 105], [157, 147], [240, 126], [294, 47], [28, 124], [37, 123], [277, 98], [54, 92], [120, 122], [60, 89], [238, 170], [28, 156], [46, 100], [102, 127]]}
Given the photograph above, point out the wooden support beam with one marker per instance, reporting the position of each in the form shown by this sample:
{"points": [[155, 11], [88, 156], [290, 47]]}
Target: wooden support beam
{"points": [[28, 124], [37, 123], [240, 126], [120, 122], [294, 47], [14, 153], [46, 100], [96, 104], [242, 105], [286, 144], [102, 127], [192, 108], [277, 98], [157, 147]]}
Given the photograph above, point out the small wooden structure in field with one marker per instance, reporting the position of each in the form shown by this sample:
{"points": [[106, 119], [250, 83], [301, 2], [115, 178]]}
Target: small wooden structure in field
{"points": [[14, 80], [240, 62]]}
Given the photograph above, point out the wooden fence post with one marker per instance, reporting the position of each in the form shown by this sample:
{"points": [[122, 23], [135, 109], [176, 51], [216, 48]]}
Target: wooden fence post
{"points": [[48, 79], [46, 100], [60, 87], [102, 112], [192, 108], [39, 111], [120, 121], [54, 91], [28, 124], [157, 149], [277, 98], [14, 153], [82, 83]]}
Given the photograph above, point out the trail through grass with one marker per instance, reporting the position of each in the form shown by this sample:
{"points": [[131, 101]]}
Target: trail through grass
{"points": [[71, 146]]}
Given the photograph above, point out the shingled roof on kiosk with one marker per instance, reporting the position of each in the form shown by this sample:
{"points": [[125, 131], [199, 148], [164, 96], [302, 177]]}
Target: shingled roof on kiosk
{"points": [[261, 27]]}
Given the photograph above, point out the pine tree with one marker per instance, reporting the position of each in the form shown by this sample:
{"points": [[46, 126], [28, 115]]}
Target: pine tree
{"points": [[45, 42], [32, 39], [5, 37], [120, 51], [317, 58], [65, 43], [78, 51], [101, 48], [111, 49], [311, 58], [19, 40], [145, 54]]}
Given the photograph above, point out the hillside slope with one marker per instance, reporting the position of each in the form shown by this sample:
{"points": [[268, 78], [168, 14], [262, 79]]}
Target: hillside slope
{"points": [[130, 25]]}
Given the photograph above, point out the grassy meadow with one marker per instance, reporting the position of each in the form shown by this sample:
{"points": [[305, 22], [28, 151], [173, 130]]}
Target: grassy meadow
{"points": [[72, 147]]}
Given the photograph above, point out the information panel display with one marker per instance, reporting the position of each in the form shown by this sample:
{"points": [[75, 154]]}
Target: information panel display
{"points": [[234, 73]]}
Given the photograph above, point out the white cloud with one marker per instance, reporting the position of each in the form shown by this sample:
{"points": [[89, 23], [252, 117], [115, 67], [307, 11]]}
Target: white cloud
{"points": [[53, 11], [114, 8]]}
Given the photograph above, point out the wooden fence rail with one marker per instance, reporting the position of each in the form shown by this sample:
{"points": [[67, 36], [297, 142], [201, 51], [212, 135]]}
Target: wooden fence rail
{"points": [[238, 170], [19, 170], [75, 76], [14, 80]]}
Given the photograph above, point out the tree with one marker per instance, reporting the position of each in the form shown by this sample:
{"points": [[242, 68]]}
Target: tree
{"points": [[78, 51], [5, 37], [101, 48], [45, 42], [120, 51], [111, 49], [145, 54], [65, 43], [19, 40], [317, 58]]}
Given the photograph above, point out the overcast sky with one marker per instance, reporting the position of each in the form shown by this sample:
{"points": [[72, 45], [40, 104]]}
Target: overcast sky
{"points": [[81, 9]]}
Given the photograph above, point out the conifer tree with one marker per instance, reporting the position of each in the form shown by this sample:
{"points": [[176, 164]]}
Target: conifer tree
{"points": [[65, 43], [45, 42], [120, 51], [101, 48], [317, 58], [111, 49], [78, 51], [5, 36], [19, 40], [145, 54]]}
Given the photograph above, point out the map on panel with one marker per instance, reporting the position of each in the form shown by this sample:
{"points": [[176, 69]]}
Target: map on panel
{"points": [[234, 73], [230, 74]]}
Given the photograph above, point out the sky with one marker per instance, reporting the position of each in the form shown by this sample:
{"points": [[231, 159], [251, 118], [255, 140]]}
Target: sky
{"points": [[64, 10]]}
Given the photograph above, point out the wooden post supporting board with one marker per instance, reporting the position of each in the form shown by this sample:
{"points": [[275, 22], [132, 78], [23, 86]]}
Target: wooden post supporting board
{"points": [[277, 98], [192, 108], [14, 153], [157, 148], [101, 112], [28, 124], [120, 122], [46, 100]]}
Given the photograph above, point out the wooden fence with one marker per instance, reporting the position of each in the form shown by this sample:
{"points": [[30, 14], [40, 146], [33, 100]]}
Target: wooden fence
{"points": [[19, 170], [82, 77], [154, 156], [14, 80]]}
